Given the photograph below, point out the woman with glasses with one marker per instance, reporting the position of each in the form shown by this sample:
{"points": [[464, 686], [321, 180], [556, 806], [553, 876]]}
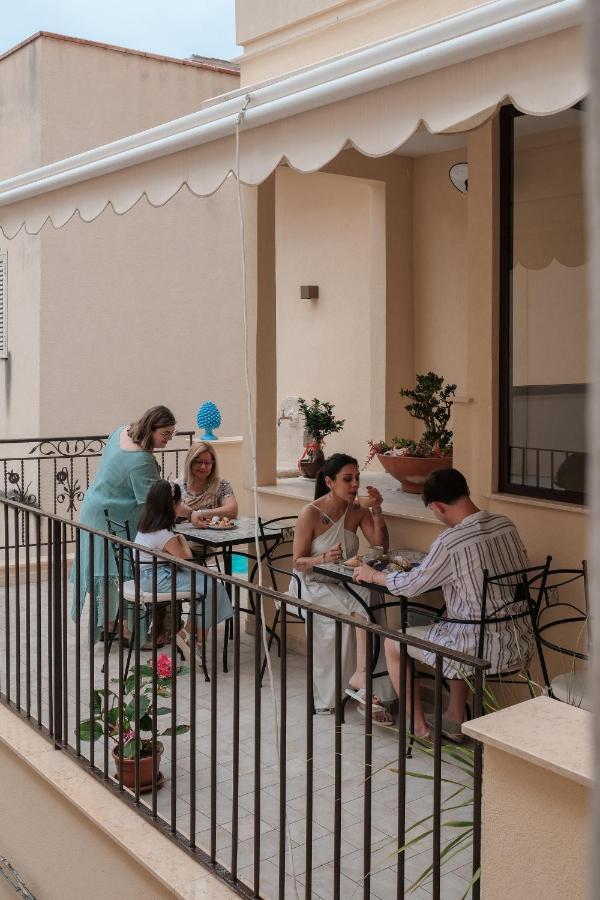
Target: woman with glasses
{"points": [[126, 473], [202, 488]]}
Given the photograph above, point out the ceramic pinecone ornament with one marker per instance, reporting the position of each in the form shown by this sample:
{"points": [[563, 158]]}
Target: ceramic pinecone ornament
{"points": [[208, 418]]}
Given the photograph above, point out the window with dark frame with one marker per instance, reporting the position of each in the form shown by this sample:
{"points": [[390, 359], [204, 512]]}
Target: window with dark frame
{"points": [[543, 311]]}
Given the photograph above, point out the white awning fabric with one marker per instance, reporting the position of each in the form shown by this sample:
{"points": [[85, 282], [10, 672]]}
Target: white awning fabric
{"points": [[450, 76]]}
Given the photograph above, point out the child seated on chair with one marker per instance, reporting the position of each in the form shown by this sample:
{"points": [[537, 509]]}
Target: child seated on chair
{"points": [[155, 531]]}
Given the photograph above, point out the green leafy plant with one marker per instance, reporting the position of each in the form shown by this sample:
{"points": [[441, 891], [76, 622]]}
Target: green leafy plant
{"points": [[145, 740], [454, 810], [461, 761], [431, 403], [319, 420]]}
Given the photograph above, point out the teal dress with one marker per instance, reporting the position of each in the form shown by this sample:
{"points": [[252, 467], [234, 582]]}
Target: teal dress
{"points": [[121, 485]]}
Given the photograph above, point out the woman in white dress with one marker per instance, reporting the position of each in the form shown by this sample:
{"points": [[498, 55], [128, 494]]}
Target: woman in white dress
{"points": [[327, 532]]}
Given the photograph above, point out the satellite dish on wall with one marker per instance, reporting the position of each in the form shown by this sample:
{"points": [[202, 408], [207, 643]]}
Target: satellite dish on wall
{"points": [[459, 176]]}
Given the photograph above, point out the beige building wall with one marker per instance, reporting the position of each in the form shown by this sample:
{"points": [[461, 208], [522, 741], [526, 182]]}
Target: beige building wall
{"points": [[143, 309], [20, 117], [440, 269], [331, 233], [538, 770], [281, 37], [91, 94], [69, 836], [57, 851], [109, 317]]}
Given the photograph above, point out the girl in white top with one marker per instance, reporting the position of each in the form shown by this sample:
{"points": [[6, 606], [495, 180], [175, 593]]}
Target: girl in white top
{"points": [[155, 532]]}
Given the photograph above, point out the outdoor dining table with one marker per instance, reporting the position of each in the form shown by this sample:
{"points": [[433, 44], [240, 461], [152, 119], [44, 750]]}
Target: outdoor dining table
{"points": [[343, 574], [225, 539]]}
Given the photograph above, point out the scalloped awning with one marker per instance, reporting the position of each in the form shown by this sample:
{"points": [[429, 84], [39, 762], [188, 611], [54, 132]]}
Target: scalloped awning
{"points": [[450, 76]]}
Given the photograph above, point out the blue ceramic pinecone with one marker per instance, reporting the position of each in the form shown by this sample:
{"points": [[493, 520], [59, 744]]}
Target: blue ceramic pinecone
{"points": [[208, 418]]}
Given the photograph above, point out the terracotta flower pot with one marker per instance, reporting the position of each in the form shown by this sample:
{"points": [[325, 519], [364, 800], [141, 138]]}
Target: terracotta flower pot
{"points": [[311, 466], [411, 471], [127, 766]]}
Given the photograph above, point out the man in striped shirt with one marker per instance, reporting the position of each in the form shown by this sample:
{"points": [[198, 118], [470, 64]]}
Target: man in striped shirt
{"points": [[475, 540]]}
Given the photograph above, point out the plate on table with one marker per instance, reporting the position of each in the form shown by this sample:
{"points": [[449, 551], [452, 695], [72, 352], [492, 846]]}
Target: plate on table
{"points": [[351, 563], [216, 526]]}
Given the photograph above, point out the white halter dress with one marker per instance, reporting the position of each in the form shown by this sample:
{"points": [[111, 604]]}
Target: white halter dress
{"points": [[333, 595]]}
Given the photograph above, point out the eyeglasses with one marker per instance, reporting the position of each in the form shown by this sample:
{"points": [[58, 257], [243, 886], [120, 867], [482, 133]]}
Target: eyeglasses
{"points": [[167, 435], [202, 462]]}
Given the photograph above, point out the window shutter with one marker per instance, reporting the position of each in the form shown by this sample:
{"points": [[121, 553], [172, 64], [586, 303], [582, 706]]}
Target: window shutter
{"points": [[3, 305]]}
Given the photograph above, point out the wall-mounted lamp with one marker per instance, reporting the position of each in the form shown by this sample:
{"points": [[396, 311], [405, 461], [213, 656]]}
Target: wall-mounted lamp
{"points": [[459, 176], [309, 291]]}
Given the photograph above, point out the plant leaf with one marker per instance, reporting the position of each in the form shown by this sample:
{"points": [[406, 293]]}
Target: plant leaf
{"points": [[476, 877], [144, 707], [145, 670], [180, 729], [85, 730]]}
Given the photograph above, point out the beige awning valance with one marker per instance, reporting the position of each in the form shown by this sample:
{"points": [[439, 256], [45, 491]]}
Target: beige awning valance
{"points": [[450, 76]]}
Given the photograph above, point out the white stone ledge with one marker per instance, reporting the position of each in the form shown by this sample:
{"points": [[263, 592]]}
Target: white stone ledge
{"points": [[396, 503], [550, 734], [172, 867]]}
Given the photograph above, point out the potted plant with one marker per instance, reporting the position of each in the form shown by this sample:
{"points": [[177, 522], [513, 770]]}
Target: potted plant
{"points": [[145, 743], [410, 461], [319, 422]]}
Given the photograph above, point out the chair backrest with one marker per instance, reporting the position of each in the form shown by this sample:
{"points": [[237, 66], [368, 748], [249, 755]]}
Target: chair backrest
{"points": [[517, 603], [275, 534], [121, 530], [560, 624], [506, 597]]}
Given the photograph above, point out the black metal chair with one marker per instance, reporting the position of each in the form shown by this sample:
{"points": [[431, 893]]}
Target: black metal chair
{"points": [[133, 593], [516, 611], [274, 544], [554, 612]]}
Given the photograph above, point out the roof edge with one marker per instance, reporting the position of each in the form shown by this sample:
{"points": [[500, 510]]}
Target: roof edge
{"points": [[222, 66]]}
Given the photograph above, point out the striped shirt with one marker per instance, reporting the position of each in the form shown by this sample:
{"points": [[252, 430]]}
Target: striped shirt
{"points": [[455, 563]]}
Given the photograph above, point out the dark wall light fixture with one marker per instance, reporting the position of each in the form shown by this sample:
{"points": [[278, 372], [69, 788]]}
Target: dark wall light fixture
{"points": [[309, 291], [459, 176]]}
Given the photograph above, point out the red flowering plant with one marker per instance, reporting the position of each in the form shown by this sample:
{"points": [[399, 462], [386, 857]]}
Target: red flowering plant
{"points": [[431, 403], [141, 742]]}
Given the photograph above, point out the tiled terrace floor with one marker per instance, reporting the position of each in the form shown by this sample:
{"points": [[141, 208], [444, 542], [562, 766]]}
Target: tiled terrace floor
{"points": [[419, 790]]}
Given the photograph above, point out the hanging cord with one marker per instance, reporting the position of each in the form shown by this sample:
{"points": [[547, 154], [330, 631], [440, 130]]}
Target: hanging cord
{"points": [[257, 549]]}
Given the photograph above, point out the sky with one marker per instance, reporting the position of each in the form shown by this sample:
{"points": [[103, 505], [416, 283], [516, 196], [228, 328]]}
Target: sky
{"points": [[175, 28]]}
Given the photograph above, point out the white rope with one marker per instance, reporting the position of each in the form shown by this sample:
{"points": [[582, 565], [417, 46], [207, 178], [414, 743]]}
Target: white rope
{"points": [[257, 548]]}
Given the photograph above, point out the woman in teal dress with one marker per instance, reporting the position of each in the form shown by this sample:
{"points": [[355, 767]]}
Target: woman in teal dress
{"points": [[127, 471]]}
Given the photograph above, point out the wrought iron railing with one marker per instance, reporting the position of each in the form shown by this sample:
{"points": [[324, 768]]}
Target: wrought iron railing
{"points": [[235, 768], [54, 473], [547, 469]]}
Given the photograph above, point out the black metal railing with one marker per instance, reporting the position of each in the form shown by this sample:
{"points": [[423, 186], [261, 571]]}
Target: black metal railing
{"points": [[248, 799], [54, 473], [546, 469]]}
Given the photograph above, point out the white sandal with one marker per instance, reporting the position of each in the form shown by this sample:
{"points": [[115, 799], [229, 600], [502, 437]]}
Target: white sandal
{"points": [[183, 642], [360, 695]]}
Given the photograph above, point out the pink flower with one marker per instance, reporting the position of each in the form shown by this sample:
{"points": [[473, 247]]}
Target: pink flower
{"points": [[128, 736], [164, 666]]}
